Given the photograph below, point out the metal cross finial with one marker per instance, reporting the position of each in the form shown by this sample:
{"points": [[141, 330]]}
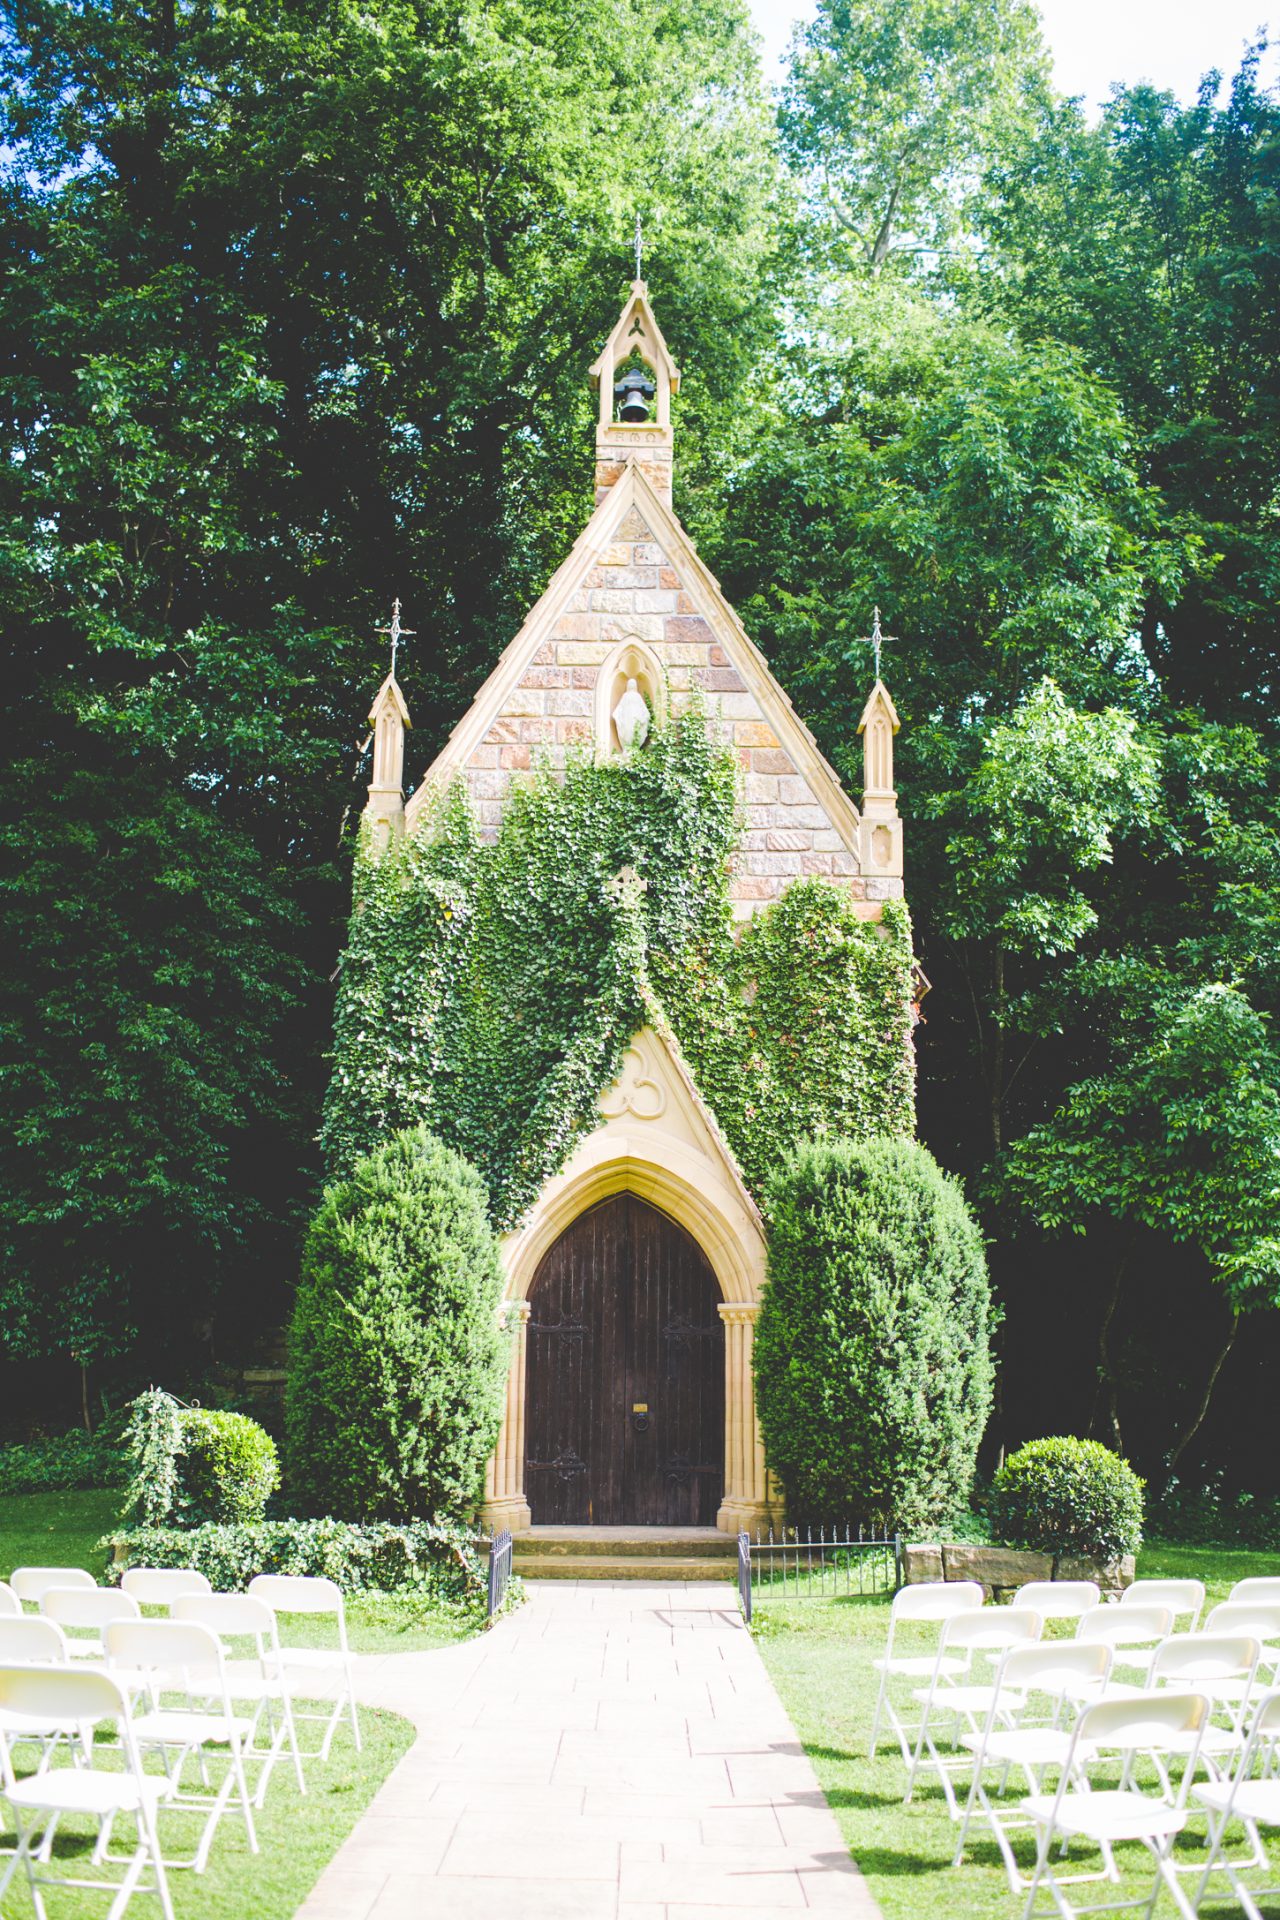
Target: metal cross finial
{"points": [[639, 244], [877, 639], [397, 633]]}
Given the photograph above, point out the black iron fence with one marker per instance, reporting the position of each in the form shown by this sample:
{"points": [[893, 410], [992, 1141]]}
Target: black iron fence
{"points": [[499, 1569], [817, 1563]]}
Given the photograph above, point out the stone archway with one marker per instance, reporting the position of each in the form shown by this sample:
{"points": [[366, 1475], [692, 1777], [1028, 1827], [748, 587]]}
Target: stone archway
{"points": [[657, 1141]]}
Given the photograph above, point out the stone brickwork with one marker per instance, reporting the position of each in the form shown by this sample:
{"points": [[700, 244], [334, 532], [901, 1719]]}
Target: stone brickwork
{"points": [[633, 592]]}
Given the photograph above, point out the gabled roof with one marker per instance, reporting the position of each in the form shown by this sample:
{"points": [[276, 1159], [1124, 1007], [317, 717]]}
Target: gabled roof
{"points": [[633, 492], [649, 340], [879, 698], [389, 694]]}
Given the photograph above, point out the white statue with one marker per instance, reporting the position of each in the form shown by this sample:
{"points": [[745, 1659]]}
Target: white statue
{"points": [[631, 718]]}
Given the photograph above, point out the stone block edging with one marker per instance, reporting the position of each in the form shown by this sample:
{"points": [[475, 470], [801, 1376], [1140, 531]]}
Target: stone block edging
{"points": [[1002, 1570]]}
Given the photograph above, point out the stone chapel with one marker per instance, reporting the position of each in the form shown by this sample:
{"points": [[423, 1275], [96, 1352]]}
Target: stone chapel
{"points": [[634, 1283]]}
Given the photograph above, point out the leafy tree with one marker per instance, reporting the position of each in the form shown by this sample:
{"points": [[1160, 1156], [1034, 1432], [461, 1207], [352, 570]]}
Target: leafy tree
{"points": [[1183, 1137], [145, 981], [1040, 814], [873, 1368], [894, 110], [397, 1364]]}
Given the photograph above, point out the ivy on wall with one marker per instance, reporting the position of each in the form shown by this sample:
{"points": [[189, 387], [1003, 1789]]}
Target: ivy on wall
{"points": [[488, 991]]}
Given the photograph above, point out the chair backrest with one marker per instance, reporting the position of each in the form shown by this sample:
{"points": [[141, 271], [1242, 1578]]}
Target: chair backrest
{"points": [[1125, 1626], [990, 1627], [168, 1646], [935, 1600], [64, 1699], [1054, 1665], [30, 1583], [9, 1601], [1259, 1590], [30, 1639], [1058, 1599], [308, 1593], [1143, 1723], [229, 1615], [90, 1607], [1180, 1596], [1238, 1616], [1197, 1657], [159, 1586]]}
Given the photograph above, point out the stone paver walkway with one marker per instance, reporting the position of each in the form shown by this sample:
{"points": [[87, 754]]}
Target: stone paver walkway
{"points": [[611, 1750]]}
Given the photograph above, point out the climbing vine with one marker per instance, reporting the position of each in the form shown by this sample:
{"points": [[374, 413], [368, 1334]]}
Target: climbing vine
{"points": [[488, 991]]}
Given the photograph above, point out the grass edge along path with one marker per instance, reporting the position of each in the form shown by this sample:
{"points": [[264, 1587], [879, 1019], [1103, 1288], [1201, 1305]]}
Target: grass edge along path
{"points": [[818, 1654]]}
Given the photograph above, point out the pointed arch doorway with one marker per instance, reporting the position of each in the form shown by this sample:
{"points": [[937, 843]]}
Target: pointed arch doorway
{"points": [[625, 1381]]}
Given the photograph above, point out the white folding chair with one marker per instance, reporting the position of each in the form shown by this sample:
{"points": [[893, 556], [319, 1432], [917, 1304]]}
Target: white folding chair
{"points": [[1059, 1672], [83, 1612], [9, 1601], [306, 1593], [239, 1616], [1058, 1599], [948, 1698], [1107, 1816], [1252, 1796], [31, 1583], [160, 1586], [74, 1700], [1184, 1598], [1260, 1590], [1261, 1620], [28, 1641], [1133, 1633], [934, 1602], [187, 1659]]}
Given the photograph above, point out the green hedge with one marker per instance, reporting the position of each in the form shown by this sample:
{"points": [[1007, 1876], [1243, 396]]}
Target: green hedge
{"points": [[1070, 1496], [873, 1364], [397, 1363], [420, 1557], [67, 1464]]}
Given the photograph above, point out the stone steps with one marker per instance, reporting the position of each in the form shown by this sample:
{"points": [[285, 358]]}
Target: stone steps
{"points": [[599, 1566], [625, 1553]]}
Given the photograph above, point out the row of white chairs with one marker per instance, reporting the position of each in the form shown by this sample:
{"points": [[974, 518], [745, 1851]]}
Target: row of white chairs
{"points": [[175, 1688], [1203, 1703]]}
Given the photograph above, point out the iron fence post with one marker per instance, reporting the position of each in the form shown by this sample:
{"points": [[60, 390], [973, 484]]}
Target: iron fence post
{"points": [[744, 1574]]}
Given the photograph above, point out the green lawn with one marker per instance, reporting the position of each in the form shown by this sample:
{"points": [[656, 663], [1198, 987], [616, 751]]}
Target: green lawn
{"points": [[63, 1529], [819, 1654], [297, 1834]]}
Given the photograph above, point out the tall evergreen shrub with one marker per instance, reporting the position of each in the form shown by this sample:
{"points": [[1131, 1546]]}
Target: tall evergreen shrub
{"points": [[873, 1363], [397, 1365]]}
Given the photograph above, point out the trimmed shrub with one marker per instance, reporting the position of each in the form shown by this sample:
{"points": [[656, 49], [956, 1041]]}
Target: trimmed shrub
{"points": [[397, 1364], [229, 1466], [67, 1464], [873, 1363], [447, 1562], [194, 1464], [1068, 1496]]}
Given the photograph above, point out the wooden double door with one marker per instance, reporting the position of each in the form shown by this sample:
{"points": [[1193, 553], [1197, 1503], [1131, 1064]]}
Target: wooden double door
{"points": [[624, 1421]]}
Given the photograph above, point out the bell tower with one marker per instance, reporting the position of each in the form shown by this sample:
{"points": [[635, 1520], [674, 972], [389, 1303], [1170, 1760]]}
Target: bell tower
{"points": [[636, 378]]}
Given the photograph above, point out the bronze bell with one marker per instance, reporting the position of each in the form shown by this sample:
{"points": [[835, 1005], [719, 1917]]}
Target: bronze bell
{"points": [[635, 390]]}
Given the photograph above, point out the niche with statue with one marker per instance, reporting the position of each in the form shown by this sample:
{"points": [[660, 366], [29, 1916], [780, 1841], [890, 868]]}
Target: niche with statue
{"points": [[631, 698]]}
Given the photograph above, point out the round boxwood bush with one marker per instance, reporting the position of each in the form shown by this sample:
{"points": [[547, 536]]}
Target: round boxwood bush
{"points": [[228, 1468], [191, 1465], [873, 1362], [397, 1363], [1068, 1496]]}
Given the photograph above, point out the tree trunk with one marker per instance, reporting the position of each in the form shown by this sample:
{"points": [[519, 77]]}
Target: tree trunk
{"points": [[1193, 1426], [997, 1055], [84, 1398], [1106, 1372]]}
